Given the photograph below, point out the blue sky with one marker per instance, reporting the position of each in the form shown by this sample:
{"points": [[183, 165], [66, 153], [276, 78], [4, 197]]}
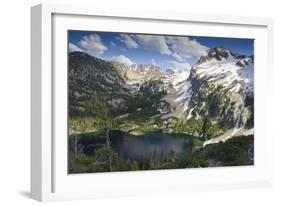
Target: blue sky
{"points": [[178, 52]]}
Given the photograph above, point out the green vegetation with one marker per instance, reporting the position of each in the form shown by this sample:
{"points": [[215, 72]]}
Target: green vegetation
{"points": [[233, 152], [103, 110], [205, 128], [90, 141], [98, 162], [249, 102]]}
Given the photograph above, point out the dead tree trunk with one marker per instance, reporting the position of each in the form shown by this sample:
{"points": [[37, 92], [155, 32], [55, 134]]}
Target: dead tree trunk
{"points": [[76, 140], [109, 149]]}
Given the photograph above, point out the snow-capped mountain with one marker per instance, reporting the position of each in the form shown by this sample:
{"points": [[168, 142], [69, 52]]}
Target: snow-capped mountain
{"points": [[176, 84], [231, 71], [223, 84], [219, 86]]}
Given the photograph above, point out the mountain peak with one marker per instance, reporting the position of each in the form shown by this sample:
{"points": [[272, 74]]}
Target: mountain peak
{"points": [[218, 53]]}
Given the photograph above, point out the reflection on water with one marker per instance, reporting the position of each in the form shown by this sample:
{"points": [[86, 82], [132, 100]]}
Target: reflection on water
{"points": [[137, 147]]}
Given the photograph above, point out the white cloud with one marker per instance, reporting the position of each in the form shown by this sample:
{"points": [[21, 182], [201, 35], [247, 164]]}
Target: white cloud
{"points": [[123, 59], [123, 49], [73, 48], [128, 40], [185, 48], [112, 44], [179, 47], [153, 42], [179, 66], [93, 44], [177, 56]]}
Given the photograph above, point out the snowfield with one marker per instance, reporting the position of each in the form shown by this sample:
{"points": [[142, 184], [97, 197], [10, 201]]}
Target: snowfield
{"points": [[179, 93], [221, 69], [229, 72]]}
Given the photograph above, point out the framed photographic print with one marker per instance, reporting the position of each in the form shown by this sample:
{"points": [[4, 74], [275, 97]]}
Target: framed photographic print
{"points": [[135, 102]]}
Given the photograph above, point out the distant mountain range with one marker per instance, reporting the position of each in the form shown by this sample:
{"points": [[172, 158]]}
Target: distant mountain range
{"points": [[220, 85]]}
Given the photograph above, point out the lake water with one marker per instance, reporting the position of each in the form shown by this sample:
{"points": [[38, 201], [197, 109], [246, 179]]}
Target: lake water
{"points": [[137, 147]]}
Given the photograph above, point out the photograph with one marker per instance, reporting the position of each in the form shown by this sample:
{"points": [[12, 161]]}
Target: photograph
{"points": [[158, 101]]}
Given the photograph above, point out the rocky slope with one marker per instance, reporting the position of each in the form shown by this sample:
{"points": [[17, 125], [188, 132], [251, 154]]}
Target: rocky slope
{"points": [[179, 93], [220, 87], [223, 86], [94, 80], [139, 73], [121, 88]]}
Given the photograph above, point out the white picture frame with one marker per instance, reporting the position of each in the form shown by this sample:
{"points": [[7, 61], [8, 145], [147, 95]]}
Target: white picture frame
{"points": [[49, 179]]}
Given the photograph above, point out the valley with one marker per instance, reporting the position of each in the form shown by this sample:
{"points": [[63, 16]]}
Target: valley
{"points": [[144, 117]]}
